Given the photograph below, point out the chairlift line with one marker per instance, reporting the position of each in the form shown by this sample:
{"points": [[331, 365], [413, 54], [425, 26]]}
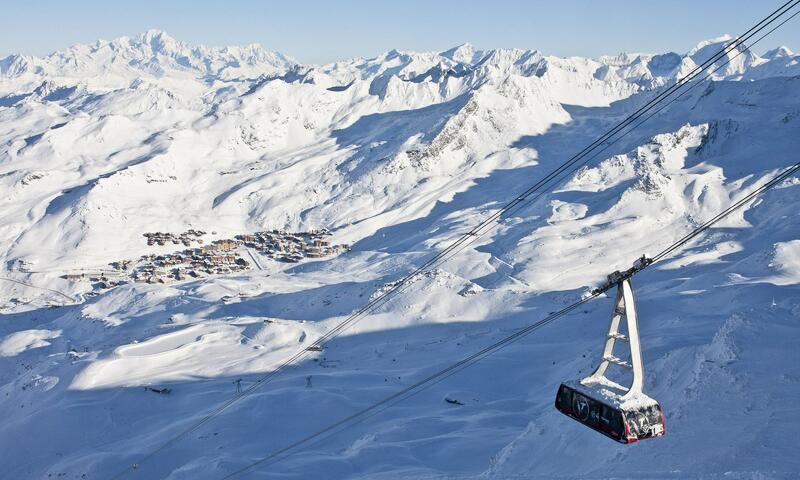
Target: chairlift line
{"points": [[475, 232]]}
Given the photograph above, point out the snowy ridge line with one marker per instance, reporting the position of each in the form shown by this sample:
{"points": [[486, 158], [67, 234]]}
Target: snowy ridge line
{"points": [[608, 144], [483, 228], [473, 235], [521, 200], [470, 236], [465, 362], [397, 287]]}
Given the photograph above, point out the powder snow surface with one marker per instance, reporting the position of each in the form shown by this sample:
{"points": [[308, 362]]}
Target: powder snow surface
{"points": [[18, 342], [397, 155]]}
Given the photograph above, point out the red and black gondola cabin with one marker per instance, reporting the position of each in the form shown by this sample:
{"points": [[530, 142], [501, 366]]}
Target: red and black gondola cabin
{"points": [[626, 422]]}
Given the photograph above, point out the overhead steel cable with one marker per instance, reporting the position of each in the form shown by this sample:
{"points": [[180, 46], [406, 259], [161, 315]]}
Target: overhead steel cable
{"points": [[475, 232], [620, 126], [694, 84], [395, 397], [399, 285], [450, 370], [608, 145], [738, 204], [480, 230], [586, 150]]}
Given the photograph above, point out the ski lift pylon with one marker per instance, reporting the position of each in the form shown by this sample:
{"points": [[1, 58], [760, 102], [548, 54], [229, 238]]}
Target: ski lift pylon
{"points": [[623, 414]]}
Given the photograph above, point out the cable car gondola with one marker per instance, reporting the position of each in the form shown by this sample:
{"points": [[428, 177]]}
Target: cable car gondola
{"points": [[623, 414]]}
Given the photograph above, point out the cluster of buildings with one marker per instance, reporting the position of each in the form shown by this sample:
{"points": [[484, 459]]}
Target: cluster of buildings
{"points": [[121, 265], [98, 281], [186, 238], [218, 257], [292, 247]]}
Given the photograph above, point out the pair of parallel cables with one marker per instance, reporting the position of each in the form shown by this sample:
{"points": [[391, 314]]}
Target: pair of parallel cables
{"points": [[532, 193], [465, 362]]}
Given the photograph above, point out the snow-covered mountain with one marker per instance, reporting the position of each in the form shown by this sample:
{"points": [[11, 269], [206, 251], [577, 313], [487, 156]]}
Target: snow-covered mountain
{"points": [[396, 156]]}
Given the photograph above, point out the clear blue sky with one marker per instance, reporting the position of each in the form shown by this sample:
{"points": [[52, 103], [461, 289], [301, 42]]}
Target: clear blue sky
{"points": [[316, 31]]}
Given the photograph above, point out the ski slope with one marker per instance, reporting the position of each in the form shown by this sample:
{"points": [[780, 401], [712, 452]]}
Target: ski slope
{"points": [[398, 156]]}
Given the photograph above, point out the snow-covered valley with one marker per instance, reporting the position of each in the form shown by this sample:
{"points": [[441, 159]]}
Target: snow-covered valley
{"points": [[105, 355]]}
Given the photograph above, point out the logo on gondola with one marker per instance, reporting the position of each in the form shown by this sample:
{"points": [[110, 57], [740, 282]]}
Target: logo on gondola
{"points": [[580, 405]]}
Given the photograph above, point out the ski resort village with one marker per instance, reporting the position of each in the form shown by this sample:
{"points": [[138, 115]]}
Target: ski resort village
{"points": [[222, 256], [379, 257]]}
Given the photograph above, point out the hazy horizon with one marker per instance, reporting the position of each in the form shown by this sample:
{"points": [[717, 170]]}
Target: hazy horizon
{"points": [[319, 33]]}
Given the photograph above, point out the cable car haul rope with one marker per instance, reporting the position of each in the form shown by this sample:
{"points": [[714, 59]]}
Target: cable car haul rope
{"points": [[624, 414], [615, 280]]}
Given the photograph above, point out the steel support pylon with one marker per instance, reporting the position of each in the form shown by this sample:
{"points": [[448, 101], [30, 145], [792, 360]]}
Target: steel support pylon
{"points": [[624, 306]]}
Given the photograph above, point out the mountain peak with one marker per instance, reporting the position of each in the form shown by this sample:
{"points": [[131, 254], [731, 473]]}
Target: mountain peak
{"points": [[155, 34], [153, 51], [461, 53], [724, 38], [779, 52], [159, 41], [708, 49]]}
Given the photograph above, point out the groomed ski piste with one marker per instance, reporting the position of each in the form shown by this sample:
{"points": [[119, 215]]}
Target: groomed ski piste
{"points": [[397, 156]]}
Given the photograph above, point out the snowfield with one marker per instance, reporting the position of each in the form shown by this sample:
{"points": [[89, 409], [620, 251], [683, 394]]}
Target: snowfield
{"points": [[397, 156]]}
